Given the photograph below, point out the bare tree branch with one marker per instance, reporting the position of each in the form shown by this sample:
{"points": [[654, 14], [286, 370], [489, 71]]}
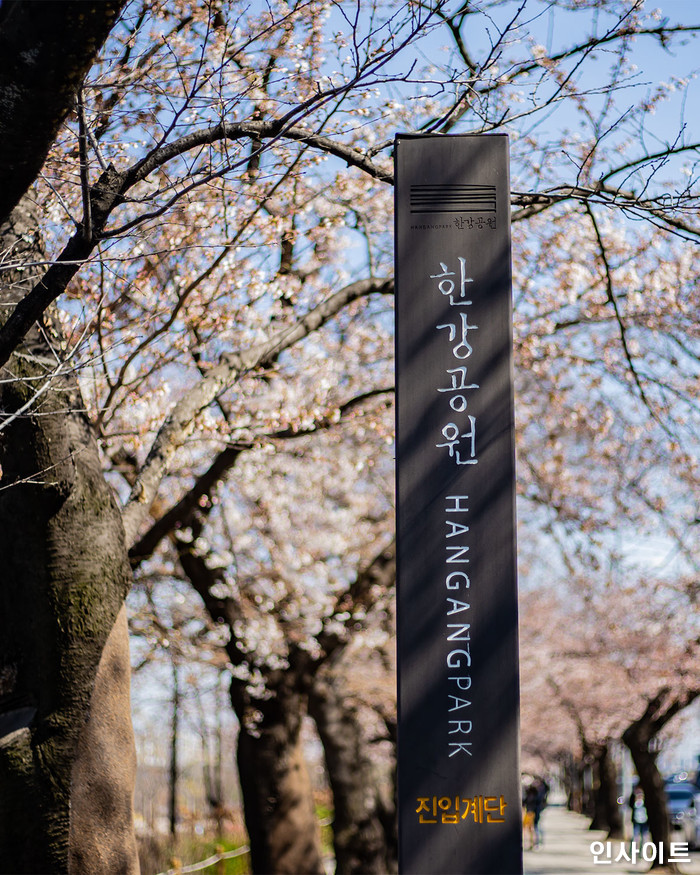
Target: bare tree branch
{"points": [[610, 291], [662, 210]]}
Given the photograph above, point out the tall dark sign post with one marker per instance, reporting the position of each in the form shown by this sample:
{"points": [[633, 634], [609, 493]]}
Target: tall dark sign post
{"points": [[459, 782]]}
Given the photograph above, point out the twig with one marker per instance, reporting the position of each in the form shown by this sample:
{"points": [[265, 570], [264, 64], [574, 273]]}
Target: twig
{"points": [[84, 180]]}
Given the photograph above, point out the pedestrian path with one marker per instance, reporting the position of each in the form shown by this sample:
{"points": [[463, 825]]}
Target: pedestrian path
{"points": [[566, 850]]}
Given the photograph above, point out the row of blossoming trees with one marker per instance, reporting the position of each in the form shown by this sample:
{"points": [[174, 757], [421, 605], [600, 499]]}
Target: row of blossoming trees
{"points": [[197, 387]]}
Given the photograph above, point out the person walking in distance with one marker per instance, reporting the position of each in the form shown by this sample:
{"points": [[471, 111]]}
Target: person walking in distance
{"points": [[640, 819], [529, 815], [542, 789]]}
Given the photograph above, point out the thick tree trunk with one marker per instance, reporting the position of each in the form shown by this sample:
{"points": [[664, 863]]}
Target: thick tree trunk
{"points": [[358, 835], [104, 772], [275, 785], [638, 737], [66, 745], [599, 814], [46, 48], [277, 795], [278, 802], [607, 811], [609, 794]]}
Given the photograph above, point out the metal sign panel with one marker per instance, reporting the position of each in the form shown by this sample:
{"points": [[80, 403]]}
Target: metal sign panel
{"points": [[459, 781]]}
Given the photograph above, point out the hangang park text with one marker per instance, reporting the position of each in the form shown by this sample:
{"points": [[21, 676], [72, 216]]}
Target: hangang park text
{"points": [[459, 781]]}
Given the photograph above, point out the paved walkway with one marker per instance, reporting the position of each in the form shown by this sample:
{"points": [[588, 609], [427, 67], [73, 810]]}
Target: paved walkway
{"points": [[566, 850]]}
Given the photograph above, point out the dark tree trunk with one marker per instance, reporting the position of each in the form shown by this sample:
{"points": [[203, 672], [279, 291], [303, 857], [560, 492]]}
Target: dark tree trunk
{"points": [[389, 812], [652, 785], [638, 737], [66, 744], [609, 794], [278, 802], [46, 48], [585, 782], [607, 813], [277, 795], [599, 819], [275, 785], [358, 835], [571, 783]]}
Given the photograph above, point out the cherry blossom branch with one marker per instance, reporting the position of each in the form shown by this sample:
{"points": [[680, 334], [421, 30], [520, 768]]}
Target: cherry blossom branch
{"points": [[255, 131], [656, 716], [219, 468], [111, 188], [180, 421], [532, 203], [610, 291], [578, 52], [182, 509], [572, 711], [203, 579], [110, 192], [373, 581]]}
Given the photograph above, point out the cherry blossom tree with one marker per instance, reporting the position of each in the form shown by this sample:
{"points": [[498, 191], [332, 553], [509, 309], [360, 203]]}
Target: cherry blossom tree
{"points": [[616, 673], [284, 623], [352, 703], [585, 707], [67, 757]]}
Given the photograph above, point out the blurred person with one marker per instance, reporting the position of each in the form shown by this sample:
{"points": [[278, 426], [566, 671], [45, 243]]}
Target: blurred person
{"points": [[529, 816], [640, 819], [542, 790]]}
